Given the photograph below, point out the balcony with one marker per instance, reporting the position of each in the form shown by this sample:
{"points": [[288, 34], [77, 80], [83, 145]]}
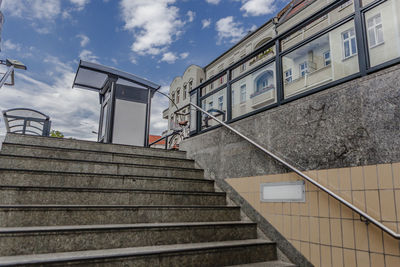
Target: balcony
{"points": [[263, 97]]}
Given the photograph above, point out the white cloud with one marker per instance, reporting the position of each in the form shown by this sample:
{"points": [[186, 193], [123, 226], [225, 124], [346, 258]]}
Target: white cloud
{"points": [[169, 57], [80, 4], [214, 2], [206, 23], [33, 9], [9, 45], [158, 104], [191, 15], [84, 39], [229, 30], [74, 112], [154, 24], [184, 55], [258, 7], [88, 55]]}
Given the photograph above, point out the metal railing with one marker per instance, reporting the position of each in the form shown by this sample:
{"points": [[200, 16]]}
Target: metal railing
{"points": [[363, 216], [166, 139]]}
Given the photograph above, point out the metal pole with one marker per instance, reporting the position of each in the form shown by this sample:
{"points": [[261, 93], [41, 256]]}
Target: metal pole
{"points": [[6, 75]]}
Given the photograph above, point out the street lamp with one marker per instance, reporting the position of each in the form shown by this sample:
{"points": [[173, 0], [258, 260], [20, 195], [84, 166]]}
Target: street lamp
{"points": [[11, 64]]}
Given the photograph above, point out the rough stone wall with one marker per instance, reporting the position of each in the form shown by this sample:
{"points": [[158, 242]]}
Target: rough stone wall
{"points": [[352, 124]]}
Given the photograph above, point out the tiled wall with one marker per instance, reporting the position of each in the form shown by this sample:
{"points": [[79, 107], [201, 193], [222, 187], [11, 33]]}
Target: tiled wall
{"points": [[327, 232]]}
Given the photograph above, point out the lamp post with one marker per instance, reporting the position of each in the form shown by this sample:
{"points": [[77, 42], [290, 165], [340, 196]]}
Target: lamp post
{"points": [[11, 64]]}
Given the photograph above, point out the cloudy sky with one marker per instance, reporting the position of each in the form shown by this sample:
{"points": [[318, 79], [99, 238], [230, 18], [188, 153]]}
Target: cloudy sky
{"points": [[154, 39]]}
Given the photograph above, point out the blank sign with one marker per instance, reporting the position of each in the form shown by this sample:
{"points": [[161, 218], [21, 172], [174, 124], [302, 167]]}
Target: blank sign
{"points": [[283, 192]]}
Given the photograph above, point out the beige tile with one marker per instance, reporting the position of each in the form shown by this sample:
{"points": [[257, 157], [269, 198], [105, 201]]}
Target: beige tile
{"points": [[333, 179], [296, 227], [323, 177], [344, 179], [264, 208], [347, 213], [312, 188], [346, 195], [392, 261], [375, 239], [385, 177], [362, 259], [287, 223], [372, 202], [286, 208], [269, 207], [315, 255], [304, 229], [295, 208], [397, 197], [326, 257], [387, 205], [336, 232], [357, 181], [337, 257], [323, 204], [304, 207], [324, 230], [349, 257], [370, 177], [391, 245], [348, 233], [359, 199], [305, 249], [296, 244], [313, 202], [396, 175], [314, 229], [361, 235], [377, 260], [279, 222], [334, 208], [278, 208]]}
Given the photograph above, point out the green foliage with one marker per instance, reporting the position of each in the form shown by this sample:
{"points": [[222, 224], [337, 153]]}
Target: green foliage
{"points": [[57, 134]]}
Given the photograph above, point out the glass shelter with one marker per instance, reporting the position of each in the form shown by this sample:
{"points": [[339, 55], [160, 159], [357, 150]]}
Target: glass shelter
{"points": [[125, 101]]}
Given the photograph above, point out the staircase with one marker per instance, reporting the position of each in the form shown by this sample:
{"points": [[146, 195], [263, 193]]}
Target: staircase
{"points": [[75, 202]]}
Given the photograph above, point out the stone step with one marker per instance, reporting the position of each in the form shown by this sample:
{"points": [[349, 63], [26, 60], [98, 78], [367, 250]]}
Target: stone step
{"points": [[90, 167], [277, 263], [51, 215], [98, 156], [97, 196], [79, 180], [89, 145], [52, 239], [192, 254]]}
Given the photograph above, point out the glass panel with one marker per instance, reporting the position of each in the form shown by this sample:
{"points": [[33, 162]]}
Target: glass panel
{"points": [[254, 91], [326, 59], [103, 126], [214, 85], [383, 32], [216, 105], [366, 2], [318, 25], [193, 113], [263, 56]]}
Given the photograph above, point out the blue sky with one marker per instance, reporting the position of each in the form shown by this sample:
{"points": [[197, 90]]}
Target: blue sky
{"points": [[155, 39]]}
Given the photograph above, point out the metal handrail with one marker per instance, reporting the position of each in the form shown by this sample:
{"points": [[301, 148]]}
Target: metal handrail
{"points": [[164, 137], [367, 218]]}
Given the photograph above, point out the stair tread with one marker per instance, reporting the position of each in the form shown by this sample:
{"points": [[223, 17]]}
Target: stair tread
{"points": [[110, 190], [126, 252], [131, 155], [277, 263], [98, 162], [8, 230], [46, 206]]}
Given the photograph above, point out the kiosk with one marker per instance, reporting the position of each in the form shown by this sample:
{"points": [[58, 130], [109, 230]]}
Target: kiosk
{"points": [[125, 101]]}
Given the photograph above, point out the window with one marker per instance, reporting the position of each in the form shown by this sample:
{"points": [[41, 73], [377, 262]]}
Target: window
{"points": [[327, 58], [221, 80], [211, 86], [220, 102], [210, 105], [288, 76], [375, 30], [191, 84], [243, 93], [243, 67], [303, 69], [262, 82], [177, 96], [201, 81], [349, 43], [184, 92], [173, 97]]}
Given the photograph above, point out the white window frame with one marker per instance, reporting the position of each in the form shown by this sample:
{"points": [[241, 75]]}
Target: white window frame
{"points": [[243, 67], [374, 29], [288, 76], [243, 93], [327, 59], [303, 68], [220, 102], [348, 41]]}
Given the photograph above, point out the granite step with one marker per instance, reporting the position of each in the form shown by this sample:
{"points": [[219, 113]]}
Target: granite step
{"points": [[192, 254], [52, 239], [52, 215], [277, 263], [79, 180], [98, 156], [102, 196], [90, 145], [92, 167]]}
